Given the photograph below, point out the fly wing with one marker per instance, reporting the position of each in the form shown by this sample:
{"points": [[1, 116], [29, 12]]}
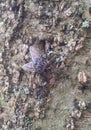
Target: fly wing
{"points": [[35, 53], [28, 67]]}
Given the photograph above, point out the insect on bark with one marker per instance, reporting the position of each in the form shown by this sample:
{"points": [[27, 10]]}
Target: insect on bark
{"points": [[38, 63]]}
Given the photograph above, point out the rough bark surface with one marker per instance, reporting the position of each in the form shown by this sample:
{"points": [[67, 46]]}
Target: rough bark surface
{"points": [[59, 97]]}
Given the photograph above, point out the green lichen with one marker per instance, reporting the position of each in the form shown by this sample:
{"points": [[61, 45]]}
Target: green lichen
{"points": [[85, 24]]}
